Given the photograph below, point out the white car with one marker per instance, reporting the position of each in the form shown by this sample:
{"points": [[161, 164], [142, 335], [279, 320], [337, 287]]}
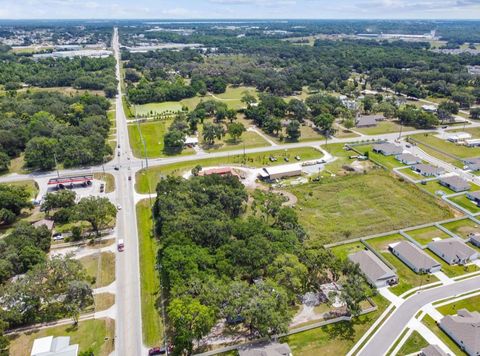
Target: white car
{"points": [[119, 207], [57, 236]]}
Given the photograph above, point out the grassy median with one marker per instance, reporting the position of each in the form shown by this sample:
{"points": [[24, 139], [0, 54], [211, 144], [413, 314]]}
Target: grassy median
{"points": [[150, 279]]}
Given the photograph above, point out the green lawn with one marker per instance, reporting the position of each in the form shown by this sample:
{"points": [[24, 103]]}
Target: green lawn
{"points": [[233, 95], [432, 325], [103, 301], [465, 203], [462, 227], [361, 205], [425, 235], [472, 304], [154, 174], [384, 127], [452, 270], [413, 344], [433, 186], [342, 251], [388, 161], [334, 339], [108, 179], [95, 335], [410, 173], [149, 277], [152, 109], [380, 244], [248, 139], [153, 133], [100, 267]]}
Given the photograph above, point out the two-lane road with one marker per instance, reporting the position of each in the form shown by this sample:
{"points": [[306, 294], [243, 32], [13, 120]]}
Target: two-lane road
{"points": [[381, 342]]}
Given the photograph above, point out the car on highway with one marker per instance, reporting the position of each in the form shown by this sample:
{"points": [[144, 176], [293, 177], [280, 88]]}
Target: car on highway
{"points": [[116, 168], [119, 207], [120, 245]]}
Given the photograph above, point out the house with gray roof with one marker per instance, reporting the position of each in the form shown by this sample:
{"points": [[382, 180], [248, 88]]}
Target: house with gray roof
{"points": [[366, 121], [387, 149], [455, 183], [433, 350], [474, 196], [265, 349], [453, 251], [408, 159], [376, 272], [428, 170], [464, 329], [414, 257], [474, 239], [473, 164]]}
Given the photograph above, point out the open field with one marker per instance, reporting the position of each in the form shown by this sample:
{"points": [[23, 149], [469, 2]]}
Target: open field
{"points": [[360, 205], [108, 179], [384, 127], [152, 109], [413, 344], [100, 267], [103, 301], [149, 277], [465, 203], [95, 335], [452, 270], [154, 174], [462, 227], [472, 304], [334, 339], [426, 235], [248, 139], [153, 133], [432, 325]]}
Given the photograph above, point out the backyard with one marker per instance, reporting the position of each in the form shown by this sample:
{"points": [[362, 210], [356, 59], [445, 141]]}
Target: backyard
{"points": [[426, 235], [462, 227], [384, 127], [353, 206]]}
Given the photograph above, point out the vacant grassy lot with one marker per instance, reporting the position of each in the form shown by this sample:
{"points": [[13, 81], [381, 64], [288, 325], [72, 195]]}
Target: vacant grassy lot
{"points": [[462, 227], [152, 109], [334, 339], [153, 133], [100, 267], [425, 235], [233, 96], [108, 179], [149, 277], [413, 344], [95, 335], [432, 325], [360, 205], [384, 127], [472, 304], [248, 139], [154, 174], [465, 203], [103, 301]]}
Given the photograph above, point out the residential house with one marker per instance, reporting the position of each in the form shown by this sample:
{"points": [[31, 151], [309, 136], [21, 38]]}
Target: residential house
{"points": [[265, 349], [191, 141], [54, 346], [377, 272], [387, 149], [474, 239], [455, 183], [464, 329], [474, 196], [473, 164], [44, 222], [408, 159], [457, 136], [453, 251], [433, 350], [414, 257], [428, 170], [366, 121]]}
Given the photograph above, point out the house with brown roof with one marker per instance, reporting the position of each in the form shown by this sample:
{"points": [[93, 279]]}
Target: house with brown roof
{"points": [[464, 329]]}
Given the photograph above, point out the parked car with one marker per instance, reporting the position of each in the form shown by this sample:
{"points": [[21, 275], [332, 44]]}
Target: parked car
{"points": [[58, 236], [157, 351]]}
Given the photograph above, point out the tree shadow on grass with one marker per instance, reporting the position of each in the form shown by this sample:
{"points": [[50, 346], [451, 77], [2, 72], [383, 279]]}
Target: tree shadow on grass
{"points": [[343, 330]]}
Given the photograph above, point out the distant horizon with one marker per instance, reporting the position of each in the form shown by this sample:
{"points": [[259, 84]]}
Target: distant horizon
{"points": [[236, 20], [239, 9]]}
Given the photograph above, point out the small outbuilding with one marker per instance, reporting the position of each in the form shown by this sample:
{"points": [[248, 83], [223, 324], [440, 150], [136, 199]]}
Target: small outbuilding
{"points": [[377, 272], [414, 257], [455, 183], [453, 251]]}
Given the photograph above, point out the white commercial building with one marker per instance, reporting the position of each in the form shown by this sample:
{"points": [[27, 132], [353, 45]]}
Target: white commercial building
{"points": [[54, 346], [278, 172]]}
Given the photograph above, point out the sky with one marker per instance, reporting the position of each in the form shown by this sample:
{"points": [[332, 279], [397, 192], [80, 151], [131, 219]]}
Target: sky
{"points": [[240, 9]]}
